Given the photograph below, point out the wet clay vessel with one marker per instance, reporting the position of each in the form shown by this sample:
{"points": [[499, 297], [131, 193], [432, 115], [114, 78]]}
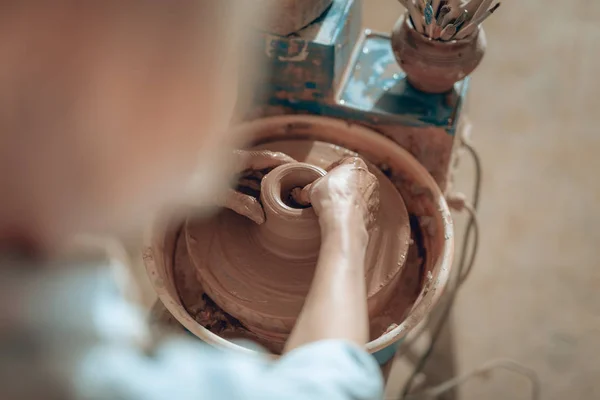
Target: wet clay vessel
{"points": [[422, 196], [434, 66], [260, 274]]}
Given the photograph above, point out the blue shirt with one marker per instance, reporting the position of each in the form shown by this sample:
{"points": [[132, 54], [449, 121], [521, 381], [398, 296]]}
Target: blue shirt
{"points": [[65, 333]]}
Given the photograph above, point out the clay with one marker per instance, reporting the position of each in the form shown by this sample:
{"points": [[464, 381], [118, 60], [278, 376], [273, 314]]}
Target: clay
{"points": [[408, 176], [289, 233], [431, 146], [194, 299], [261, 274], [433, 66], [201, 307], [409, 285], [251, 165]]}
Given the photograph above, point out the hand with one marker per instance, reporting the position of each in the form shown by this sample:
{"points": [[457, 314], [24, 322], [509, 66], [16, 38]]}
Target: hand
{"points": [[348, 190], [252, 165], [345, 200]]}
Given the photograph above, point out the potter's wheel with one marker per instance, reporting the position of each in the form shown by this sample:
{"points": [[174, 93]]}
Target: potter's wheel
{"points": [[261, 274]]}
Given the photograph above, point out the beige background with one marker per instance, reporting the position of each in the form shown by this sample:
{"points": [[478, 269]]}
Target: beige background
{"points": [[535, 293]]}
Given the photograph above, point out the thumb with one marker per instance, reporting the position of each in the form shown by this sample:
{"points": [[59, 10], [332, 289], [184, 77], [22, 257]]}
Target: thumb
{"points": [[302, 195], [245, 205]]}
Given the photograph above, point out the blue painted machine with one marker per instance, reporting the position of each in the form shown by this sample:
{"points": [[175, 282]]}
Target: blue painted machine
{"points": [[334, 68]]}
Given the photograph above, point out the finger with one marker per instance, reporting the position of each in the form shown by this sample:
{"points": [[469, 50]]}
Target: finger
{"points": [[245, 205], [263, 159], [372, 196], [302, 196], [358, 163], [250, 183], [354, 161], [373, 201], [335, 164]]}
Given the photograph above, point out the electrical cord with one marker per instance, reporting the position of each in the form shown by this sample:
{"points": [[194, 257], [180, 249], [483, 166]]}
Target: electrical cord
{"points": [[472, 224], [483, 371], [458, 202]]}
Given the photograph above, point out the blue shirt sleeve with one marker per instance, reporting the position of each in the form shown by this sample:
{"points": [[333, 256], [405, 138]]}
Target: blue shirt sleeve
{"points": [[183, 369]]}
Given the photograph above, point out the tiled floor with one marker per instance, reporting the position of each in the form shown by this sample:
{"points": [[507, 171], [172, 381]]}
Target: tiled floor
{"points": [[535, 293]]}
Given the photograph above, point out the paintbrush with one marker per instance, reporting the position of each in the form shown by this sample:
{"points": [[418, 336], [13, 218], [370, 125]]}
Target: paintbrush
{"points": [[454, 27], [483, 7], [443, 12], [472, 6], [454, 4], [449, 17], [455, 12], [428, 14], [474, 23], [448, 32], [435, 5], [429, 18], [437, 30], [461, 19], [415, 16], [455, 9]]}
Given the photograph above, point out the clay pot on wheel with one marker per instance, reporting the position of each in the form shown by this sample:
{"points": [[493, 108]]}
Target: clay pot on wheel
{"points": [[407, 173], [261, 274], [434, 66]]}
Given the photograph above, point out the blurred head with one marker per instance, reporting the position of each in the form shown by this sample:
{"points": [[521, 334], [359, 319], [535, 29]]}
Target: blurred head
{"points": [[107, 107]]}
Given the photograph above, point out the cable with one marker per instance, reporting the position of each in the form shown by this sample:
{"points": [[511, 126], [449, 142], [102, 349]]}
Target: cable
{"points": [[477, 161], [507, 364], [472, 225], [458, 202]]}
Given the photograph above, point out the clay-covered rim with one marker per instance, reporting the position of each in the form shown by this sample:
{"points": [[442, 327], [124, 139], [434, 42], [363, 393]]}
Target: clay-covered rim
{"points": [[377, 146]]}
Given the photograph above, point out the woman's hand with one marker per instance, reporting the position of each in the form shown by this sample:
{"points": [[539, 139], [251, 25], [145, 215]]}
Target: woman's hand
{"points": [[347, 197], [252, 165], [346, 201]]}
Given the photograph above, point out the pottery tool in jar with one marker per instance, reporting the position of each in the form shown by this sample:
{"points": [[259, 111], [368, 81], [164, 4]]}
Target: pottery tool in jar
{"points": [[447, 20], [446, 47]]}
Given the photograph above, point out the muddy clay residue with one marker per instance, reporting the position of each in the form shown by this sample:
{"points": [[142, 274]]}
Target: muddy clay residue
{"points": [[212, 317], [410, 284], [201, 307], [241, 280], [244, 267]]}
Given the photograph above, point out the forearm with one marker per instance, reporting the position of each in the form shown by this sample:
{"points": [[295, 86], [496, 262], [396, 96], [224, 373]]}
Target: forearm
{"points": [[336, 305]]}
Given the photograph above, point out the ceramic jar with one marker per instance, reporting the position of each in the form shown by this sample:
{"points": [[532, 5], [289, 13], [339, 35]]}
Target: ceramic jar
{"points": [[288, 232], [434, 66]]}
